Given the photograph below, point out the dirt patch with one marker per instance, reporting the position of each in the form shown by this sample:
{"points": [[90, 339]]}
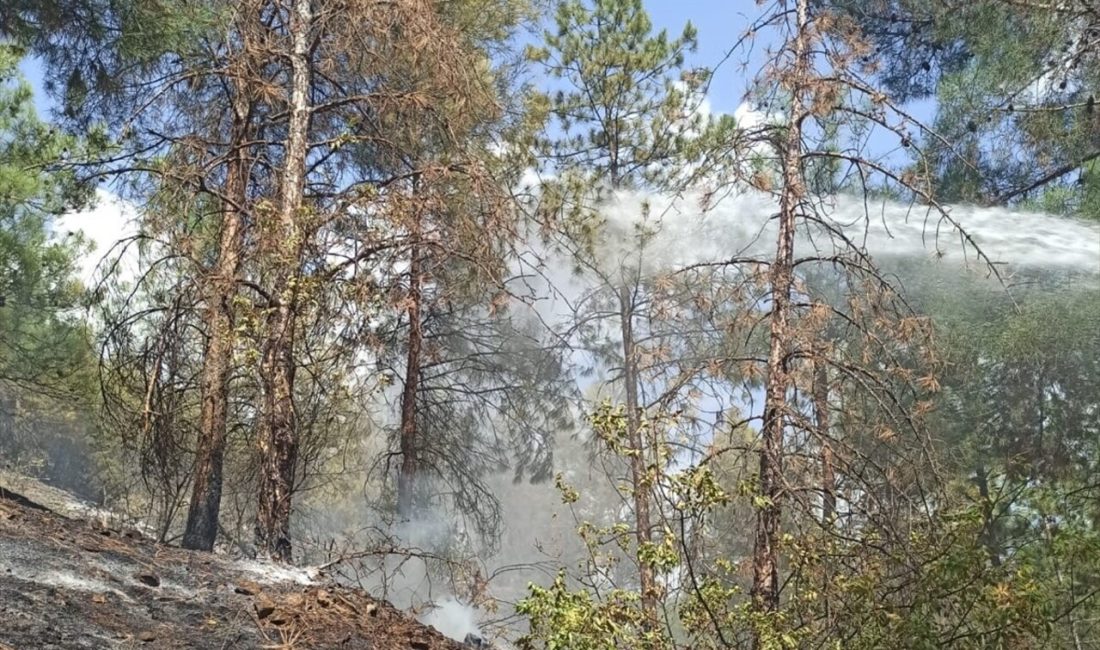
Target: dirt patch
{"points": [[71, 583]]}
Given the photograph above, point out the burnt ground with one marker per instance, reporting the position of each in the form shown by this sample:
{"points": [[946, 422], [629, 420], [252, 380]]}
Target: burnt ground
{"points": [[68, 583]]}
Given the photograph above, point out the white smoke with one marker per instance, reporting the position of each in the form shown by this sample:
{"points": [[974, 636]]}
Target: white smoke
{"points": [[646, 234], [453, 619], [683, 231]]}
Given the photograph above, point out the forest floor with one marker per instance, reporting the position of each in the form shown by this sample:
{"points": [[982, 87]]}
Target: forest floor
{"points": [[68, 582]]}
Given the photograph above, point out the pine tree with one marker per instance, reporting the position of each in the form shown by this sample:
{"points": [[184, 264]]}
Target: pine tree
{"points": [[1014, 86], [38, 285], [45, 357], [627, 117]]}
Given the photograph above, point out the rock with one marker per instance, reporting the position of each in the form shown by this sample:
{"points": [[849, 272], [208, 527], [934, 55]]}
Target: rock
{"points": [[148, 579], [147, 636], [264, 607], [247, 587], [294, 601]]}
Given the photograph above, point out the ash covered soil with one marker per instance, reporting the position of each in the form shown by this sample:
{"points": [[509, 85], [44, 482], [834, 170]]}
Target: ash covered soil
{"points": [[74, 583]]}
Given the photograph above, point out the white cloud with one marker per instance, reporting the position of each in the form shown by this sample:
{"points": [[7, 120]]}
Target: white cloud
{"points": [[748, 117], [106, 223]]}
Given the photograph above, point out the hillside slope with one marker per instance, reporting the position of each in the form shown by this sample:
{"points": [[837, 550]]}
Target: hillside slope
{"points": [[72, 583]]}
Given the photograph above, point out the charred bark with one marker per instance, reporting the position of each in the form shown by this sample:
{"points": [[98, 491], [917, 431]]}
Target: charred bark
{"points": [[278, 434], [277, 440], [409, 443], [221, 288]]}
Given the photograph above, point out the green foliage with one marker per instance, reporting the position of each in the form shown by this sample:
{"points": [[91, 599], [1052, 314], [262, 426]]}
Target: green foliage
{"points": [[957, 600], [46, 360], [565, 619], [699, 489], [95, 49], [1018, 421], [1014, 85], [41, 339], [627, 110]]}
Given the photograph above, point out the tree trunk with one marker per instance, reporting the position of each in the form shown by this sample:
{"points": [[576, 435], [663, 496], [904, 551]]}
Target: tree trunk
{"points": [[410, 460], [821, 422], [220, 291], [820, 393], [638, 471], [765, 565], [989, 523], [278, 435]]}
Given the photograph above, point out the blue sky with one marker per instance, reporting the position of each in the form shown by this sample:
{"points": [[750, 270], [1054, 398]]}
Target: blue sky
{"points": [[720, 23]]}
